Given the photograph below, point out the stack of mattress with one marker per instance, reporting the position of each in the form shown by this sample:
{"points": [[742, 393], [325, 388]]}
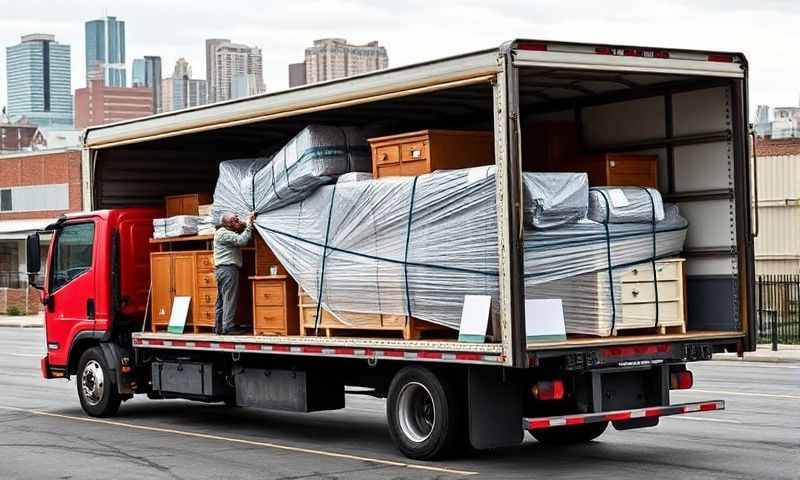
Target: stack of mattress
{"points": [[176, 226]]}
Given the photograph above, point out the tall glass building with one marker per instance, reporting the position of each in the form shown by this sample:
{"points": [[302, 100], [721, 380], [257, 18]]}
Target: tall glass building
{"points": [[105, 51], [39, 81], [137, 73]]}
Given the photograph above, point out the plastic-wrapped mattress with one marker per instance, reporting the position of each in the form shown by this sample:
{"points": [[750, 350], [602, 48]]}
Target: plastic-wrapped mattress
{"points": [[176, 226], [316, 156], [625, 205], [553, 199]]}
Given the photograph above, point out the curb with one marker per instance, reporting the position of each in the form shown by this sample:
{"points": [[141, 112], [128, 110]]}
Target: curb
{"points": [[761, 358], [20, 325]]}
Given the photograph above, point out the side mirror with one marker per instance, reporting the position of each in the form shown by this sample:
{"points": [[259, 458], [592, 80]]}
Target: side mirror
{"points": [[34, 258]]}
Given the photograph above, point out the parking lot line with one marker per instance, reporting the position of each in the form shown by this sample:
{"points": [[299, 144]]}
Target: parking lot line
{"points": [[277, 446]]}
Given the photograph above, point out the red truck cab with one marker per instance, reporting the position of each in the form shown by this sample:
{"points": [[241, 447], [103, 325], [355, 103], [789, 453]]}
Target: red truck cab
{"points": [[96, 282]]}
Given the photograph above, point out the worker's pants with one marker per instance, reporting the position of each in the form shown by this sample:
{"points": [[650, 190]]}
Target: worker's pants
{"points": [[227, 297]]}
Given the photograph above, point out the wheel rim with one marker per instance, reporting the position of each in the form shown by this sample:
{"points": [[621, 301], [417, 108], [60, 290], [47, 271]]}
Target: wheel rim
{"points": [[416, 412], [92, 382]]}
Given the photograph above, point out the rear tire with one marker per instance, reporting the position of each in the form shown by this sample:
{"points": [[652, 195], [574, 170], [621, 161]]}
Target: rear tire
{"points": [[424, 414], [97, 386], [570, 435]]}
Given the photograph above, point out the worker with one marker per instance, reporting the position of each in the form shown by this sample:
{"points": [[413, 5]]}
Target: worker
{"points": [[229, 239]]}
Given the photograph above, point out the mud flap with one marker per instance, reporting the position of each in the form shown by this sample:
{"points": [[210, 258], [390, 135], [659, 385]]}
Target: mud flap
{"points": [[494, 408]]}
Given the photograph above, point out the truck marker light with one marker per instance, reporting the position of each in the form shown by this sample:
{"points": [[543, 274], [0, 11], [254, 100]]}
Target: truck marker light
{"points": [[52, 346], [548, 390], [681, 380], [537, 47], [720, 58]]}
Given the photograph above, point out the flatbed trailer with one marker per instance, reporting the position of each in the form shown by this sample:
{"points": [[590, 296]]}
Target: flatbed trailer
{"points": [[690, 107]]}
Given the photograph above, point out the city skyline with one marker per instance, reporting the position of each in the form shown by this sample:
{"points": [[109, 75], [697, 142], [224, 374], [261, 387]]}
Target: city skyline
{"points": [[150, 30]]}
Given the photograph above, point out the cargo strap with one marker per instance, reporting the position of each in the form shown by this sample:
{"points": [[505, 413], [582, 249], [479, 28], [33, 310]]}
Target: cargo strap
{"points": [[608, 258], [408, 241], [324, 257], [655, 253]]}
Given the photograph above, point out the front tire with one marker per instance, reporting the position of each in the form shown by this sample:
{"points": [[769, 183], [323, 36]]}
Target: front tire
{"points": [[424, 414], [570, 435], [97, 386]]}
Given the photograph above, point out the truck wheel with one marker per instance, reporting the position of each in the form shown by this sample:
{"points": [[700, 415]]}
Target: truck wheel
{"points": [[424, 414], [570, 435], [97, 388]]}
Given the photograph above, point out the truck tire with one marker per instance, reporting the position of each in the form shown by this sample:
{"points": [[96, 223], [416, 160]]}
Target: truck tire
{"points": [[97, 388], [424, 414], [570, 435]]}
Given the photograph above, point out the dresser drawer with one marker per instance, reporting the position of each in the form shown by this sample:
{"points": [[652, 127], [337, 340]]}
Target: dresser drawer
{"points": [[206, 279], [205, 316], [390, 154], [643, 272], [415, 150], [637, 292], [269, 318], [268, 294], [207, 296], [668, 312], [205, 262]]}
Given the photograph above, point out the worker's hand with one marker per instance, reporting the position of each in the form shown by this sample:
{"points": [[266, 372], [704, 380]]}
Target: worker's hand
{"points": [[251, 218]]}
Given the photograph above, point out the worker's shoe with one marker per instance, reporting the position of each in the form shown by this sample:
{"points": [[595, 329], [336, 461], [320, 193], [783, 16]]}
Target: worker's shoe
{"points": [[237, 330]]}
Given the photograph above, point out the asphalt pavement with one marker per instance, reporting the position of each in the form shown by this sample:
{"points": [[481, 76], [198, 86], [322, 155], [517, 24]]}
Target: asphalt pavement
{"points": [[45, 435]]}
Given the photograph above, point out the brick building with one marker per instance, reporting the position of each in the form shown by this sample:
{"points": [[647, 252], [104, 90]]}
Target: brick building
{"points": [[35, 189], [98, 104]]}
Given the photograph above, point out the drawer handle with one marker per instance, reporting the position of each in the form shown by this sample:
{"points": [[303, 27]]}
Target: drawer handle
{"points": [[384, 157], [636, 271], [416, 153], [635, 292], [208, 298]]}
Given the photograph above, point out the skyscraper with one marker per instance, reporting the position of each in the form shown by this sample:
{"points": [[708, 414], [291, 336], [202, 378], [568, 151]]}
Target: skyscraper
{"points": [[211, 65], [105, 51], [332, 58], [147, 73], [181, 91], [137, 73], [297, 74], [235, 70], [38, 78]]}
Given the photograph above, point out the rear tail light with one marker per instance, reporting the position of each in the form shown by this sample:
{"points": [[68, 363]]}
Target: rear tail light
{"points": [[681, 380], [548, 390], [538, 47]]}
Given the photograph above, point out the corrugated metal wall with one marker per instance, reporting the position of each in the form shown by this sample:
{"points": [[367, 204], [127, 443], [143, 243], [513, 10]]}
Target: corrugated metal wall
{"points": [[778, 243]]}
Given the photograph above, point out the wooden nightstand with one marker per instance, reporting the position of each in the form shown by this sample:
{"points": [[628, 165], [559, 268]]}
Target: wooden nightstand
{"points": [[274, 310]]}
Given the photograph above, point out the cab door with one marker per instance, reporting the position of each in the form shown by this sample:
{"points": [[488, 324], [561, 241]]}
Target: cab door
{"points": [[70, 303]]}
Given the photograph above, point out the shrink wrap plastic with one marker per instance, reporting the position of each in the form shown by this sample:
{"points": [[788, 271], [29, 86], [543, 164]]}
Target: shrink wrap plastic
{"points": [[176, 226], [416, 245]]}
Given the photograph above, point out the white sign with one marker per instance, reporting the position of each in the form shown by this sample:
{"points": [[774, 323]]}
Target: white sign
{"points": [[618, 198], [177, 318], [474, 318], [544, 320]]}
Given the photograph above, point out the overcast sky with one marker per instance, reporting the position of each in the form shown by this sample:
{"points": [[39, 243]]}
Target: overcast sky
{"points": [[767, 31]]}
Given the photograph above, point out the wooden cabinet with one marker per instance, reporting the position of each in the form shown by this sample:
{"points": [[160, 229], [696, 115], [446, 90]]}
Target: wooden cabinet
{"points": [[417, 153], [274, 312], [619, 170], [183, 274], [548, 146], [188, 204], [265, 258]]}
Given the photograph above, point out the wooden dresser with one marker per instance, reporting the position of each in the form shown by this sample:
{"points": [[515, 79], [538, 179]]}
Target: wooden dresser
{"points": [[274, 310], [186, 204], [183, 274], [618, 170], [417, 153]]}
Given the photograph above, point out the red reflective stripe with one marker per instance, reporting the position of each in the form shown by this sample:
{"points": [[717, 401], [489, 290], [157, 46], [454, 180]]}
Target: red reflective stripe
{"points": [[312, 349], [653, 412], [575, 420], [602, 51], [137, 341], [252, 346], [280, 348], [178, 343], [227, 345], [468, 356], [618, 416], [635, 350], [392, 353], [203, 344], [534, 424], [344, 351], [434, 355], [708, 406], [156, 342]]}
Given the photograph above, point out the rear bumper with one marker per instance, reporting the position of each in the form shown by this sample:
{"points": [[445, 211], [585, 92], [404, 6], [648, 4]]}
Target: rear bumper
{"points": [[621, 415]]}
